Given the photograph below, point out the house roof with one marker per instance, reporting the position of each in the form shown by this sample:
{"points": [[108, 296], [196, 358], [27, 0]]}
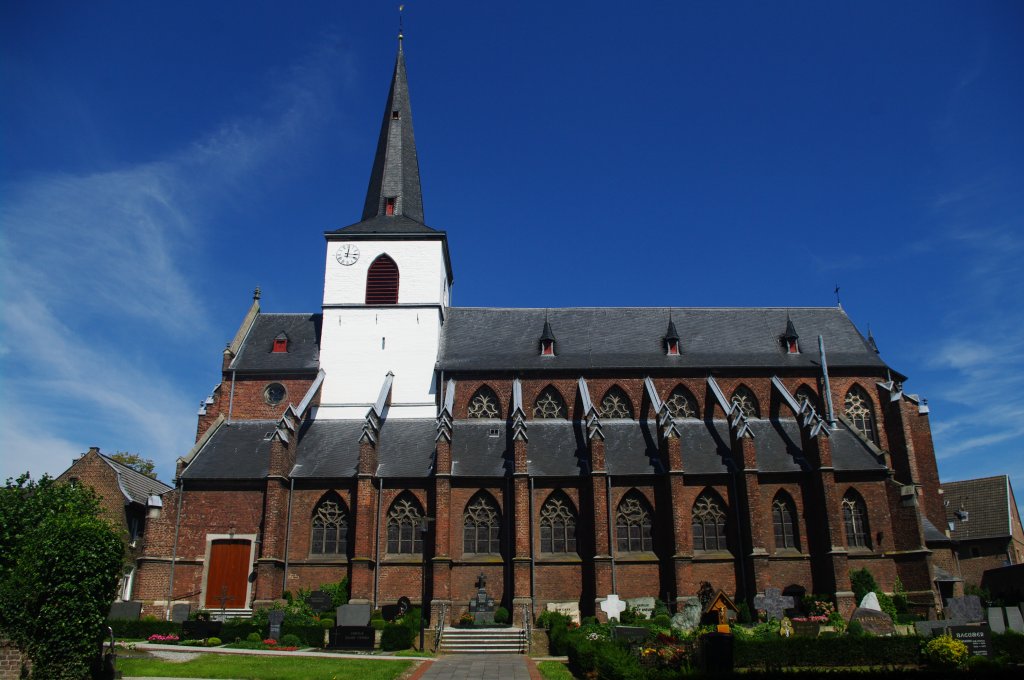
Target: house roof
{"points": [[136, 487], [987, 503], [487, 338], [237, 450], [255, 354]]}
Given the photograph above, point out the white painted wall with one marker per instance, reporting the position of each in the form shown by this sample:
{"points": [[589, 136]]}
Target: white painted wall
{"points": [[360, 344]]}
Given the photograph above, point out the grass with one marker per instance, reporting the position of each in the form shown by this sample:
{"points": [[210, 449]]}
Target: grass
{"points": [[264, 668], [554, 670]]}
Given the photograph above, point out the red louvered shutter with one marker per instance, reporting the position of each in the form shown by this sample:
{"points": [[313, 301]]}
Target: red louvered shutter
{"points": [[382, 282]]}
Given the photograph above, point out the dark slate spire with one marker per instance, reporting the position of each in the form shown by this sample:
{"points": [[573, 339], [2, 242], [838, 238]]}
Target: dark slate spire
{"points": [[547, 334], [871, 341], [790, 333], [671, 335], [395, 177]]}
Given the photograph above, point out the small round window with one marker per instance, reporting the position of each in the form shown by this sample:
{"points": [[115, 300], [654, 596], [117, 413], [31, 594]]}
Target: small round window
{"points": [[274, 394]]}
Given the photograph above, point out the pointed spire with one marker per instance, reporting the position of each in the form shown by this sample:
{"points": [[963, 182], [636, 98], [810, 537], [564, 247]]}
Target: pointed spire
{"points": [[671, 338], [395, 178], [871, 341], [547, 339], [790, 333]]}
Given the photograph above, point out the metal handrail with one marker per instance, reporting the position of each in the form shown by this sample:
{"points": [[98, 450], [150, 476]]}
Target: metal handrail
{"points": [[442, 616], [528, 627]]}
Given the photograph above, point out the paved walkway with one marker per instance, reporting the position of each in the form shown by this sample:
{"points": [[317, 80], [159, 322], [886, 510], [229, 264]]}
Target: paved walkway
{"points": [[476, 666]]}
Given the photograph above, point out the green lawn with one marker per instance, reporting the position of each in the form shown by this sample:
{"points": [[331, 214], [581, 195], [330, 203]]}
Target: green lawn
{"points": [[554, 670], [245, 667]]}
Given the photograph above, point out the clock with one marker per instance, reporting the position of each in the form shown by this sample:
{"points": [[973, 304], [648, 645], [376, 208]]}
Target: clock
{"points": [[347, 254]]}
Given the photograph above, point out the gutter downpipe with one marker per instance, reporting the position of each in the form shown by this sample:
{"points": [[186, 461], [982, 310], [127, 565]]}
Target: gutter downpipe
{"points": [[287, 537], [174, 550], [376, 544], [611, 552], [533, 582]]}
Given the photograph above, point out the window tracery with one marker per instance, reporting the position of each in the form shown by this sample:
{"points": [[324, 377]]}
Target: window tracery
{"points": [[681, 403], [746, 401], [805, 393], [633, 524], [557, 526], [855, 518], [404, 520], [784, 520], [859, 411], [708, 525], [484, 404], [616, 404], [481, 527], [549, 405], [330, 529]]}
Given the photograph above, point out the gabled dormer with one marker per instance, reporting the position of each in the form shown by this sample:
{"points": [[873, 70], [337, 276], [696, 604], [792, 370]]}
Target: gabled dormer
{"points": [[789, 337]]}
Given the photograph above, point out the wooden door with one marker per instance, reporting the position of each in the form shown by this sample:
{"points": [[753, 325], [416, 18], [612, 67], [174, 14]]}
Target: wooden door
{"points": [[228, 575]]}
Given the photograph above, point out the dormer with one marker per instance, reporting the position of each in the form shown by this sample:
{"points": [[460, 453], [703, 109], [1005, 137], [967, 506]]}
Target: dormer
{"points": [[280, 343], [790, 340], [547, 341], [671, 339]]}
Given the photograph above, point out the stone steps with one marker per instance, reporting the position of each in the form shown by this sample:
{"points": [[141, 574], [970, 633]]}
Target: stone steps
{"points": [[483, 641]]}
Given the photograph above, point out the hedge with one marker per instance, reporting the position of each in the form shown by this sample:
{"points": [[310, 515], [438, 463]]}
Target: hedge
{"points": [[311, 635], [396, 636], [822, 651], [132, 628], [1009, 644]]}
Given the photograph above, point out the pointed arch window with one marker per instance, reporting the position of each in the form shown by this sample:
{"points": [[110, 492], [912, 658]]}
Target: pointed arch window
{"points": [[784, 519], [860, 412], [805, 393], [330, 527], [484, 404], [549, 404], [855, 519], [404, 520], [557, 525], [709, 524], [382, 282], [681, 403], [481, 526], [633, 524], [616, 404], [746, 401]]}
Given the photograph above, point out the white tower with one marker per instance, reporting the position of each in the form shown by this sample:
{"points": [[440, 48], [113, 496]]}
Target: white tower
{"points": [[386, 284]]}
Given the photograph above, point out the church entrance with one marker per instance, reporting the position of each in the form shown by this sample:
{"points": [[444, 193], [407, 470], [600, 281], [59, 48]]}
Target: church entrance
{"points": [[227, 578]]}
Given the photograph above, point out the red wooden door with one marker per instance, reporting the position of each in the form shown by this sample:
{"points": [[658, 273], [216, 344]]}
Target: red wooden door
{"points": [[228, 575]]}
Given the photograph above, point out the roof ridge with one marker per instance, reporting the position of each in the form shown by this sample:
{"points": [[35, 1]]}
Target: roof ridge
{"points": [[641, 307]]}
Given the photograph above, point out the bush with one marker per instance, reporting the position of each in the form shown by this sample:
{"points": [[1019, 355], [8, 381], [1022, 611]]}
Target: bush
{"points": [[856, 628], [847, 650], [615, 663], [253, 637], [214, 642], [862, 583], [328, 623], [338, 592], [310, 635], [377, 624], [396, 636], [238, 629], [743, 613], [290, 640], [1009, 645], [660, 608], [662, 620], [943, 651], [501, 615], [141, 629]]}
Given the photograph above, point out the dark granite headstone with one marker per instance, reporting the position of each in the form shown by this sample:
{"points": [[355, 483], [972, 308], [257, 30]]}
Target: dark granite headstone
{"points": [[482, 606], [966, 609], [125, 611], [276, 618], [354, 615], [180, 612], [874, 621], [774, 603], [630, 633], [975, 637], [319, 601]]}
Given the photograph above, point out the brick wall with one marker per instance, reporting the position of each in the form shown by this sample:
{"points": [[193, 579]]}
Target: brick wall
{"points": [[11, 660], [92, 471]]}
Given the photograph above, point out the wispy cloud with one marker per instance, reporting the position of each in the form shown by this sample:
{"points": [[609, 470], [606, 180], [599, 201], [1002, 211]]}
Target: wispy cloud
{"points": [[97, 282]]}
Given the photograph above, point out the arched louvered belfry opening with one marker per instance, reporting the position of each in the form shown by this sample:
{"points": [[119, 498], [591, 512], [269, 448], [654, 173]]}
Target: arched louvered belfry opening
{"points": [[382, 282]]}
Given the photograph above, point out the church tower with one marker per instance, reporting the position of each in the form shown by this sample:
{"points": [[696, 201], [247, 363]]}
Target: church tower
{"points": [[387, 282]]}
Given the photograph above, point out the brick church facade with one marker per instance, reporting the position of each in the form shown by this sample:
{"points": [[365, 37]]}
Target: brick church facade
{"points": [[566, 454]]}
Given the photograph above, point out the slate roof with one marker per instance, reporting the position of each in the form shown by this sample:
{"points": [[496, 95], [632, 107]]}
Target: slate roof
{"points": [[303, 355], [328, 449], [849, 452], [705, 447], [932, 535], [238, 450], [987, 502], [486, 338], [778, 445], [556, 449], [631, 447], [406, 448], [136, 487], [475, 453]]}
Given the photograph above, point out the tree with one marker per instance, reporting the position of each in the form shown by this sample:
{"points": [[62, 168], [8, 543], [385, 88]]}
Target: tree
{"points": [[135, 462], [59, 568]]}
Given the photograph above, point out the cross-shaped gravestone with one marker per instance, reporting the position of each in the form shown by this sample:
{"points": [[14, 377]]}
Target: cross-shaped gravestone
{"points": [[481, 581], [613, 607], [774, 603]]}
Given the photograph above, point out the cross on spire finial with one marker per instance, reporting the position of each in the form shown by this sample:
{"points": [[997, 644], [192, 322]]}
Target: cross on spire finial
{"points": [[401, 31]]}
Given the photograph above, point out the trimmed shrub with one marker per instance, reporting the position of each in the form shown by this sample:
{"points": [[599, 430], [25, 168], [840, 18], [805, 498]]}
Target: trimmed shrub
{"points": [[856, 628], [238, 629], [396, 637], [253, 637], [214, 642], [1009, 645], [141, 629], [327, 623], [377, 624], [862, 583], [615, 663], [338, 592], [290, 640], [310, 635], [942, 651], [501, 615], [662, 620]]}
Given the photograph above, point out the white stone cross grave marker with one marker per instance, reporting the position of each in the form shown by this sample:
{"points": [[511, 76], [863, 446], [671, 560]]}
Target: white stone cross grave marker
{"points": [[613, 607]]}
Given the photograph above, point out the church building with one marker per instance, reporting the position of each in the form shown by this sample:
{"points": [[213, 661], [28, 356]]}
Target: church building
{"points": [[564, 454]]}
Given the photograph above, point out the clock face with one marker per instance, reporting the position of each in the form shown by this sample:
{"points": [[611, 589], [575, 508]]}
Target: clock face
{"points": [[347, 254]]}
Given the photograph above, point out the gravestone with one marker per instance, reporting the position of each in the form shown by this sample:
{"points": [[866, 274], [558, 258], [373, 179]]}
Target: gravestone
{"points": [[642, 605], [1014, 619], [613, 607], [930, 628], [975, 637], [965, 609], [874, 621], [995, 620], [353, 630], [275, 617], [390, 612], [126, 611], [482, 606], [870, 601], [319, 601], [688, 616], [180, 612], [570, 609], [774, 603], [630, 633]]}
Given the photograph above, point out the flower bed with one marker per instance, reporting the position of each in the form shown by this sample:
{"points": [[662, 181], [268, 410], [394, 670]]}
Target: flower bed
{"points": [[169, 639]]}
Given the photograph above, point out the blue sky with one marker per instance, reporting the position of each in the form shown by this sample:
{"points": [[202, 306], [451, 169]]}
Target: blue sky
{"points": [[160, 160]]}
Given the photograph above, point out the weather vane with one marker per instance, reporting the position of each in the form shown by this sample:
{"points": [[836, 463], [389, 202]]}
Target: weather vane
{"points": [[400, 29]]}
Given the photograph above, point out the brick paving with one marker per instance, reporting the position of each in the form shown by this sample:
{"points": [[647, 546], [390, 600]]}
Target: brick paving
{"points": [[474, 666]]}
